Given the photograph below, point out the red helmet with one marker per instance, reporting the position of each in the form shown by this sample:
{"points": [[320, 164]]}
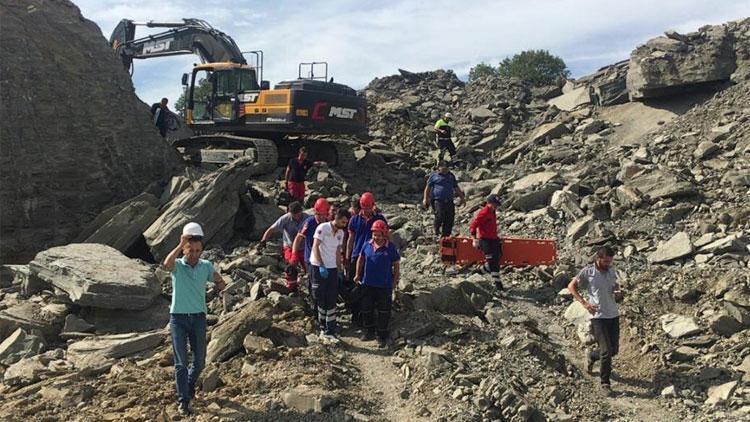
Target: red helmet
{"points": [[379, 226], [322, 206], [367, 201]]}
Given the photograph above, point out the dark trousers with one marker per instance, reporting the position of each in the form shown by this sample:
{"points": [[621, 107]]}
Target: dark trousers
{"points": [[445, 144], [325, 291], [354, 301], [188, 328], [492, 249], [607, 335], [376, 309], [445, 215]]}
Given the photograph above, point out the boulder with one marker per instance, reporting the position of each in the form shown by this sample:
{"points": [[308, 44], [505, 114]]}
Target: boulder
{"points": [[676, 247], [455, 298], [20, 345], [213, 204], [227, 338], [30, 316], [97, 275], [256, 344], [305, 399], [122, 321], [26, 371], [92, 351], [659, 184], [579, 228], [551, 130], [567, 202], [569, 101], [677, 326], [724, 324], [76, 324], [481, 113], [126, 227], [720, 394]]}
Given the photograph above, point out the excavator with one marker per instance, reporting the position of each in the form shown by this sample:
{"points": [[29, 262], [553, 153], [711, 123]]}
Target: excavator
{"points": [[233, 111]]}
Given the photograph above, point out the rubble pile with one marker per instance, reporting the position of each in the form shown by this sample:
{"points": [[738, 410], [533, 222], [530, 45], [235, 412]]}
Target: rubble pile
{"points": [[83, 326]]}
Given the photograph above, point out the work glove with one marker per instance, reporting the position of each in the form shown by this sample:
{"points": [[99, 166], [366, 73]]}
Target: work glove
{"points": [[323, 272]]}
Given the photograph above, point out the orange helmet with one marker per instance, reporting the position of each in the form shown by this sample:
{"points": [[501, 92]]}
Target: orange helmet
{"points": [[379, 226], [321, 206], [367, 201]]}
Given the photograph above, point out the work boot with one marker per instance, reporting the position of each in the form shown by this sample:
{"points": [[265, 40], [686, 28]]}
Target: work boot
{"points": [[589, 362], [382, 342], [368, 335], [499, 286], [184, 409], [607, 390]]}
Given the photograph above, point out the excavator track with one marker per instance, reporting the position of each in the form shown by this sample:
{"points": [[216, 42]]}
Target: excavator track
{"points": [[220, 149]]}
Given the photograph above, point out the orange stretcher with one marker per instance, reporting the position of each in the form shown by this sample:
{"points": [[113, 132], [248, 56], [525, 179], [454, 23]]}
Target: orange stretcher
{"points": [[516, 251]]}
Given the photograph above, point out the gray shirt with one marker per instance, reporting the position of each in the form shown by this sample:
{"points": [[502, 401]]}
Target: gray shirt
{"points": [[599, 287], [289, 227]]}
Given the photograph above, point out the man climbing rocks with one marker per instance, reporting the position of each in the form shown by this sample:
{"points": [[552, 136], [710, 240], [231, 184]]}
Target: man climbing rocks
{"points": [[360, 231], [378, 270], [160, 113], [439, 192], [296, 173], [326, 263], [289, 225], [306, 234], [484, 230], [443, 133], [188, 310], [599, 281]]}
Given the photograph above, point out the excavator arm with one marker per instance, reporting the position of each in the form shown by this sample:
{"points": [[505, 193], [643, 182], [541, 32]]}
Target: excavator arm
{"points": [[191, 36]]}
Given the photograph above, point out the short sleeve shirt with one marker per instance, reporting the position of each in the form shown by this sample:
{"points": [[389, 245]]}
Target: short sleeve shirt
{"points": [[299, 169], [329, 244], [443, 125], [443, 186], [308, 230], [289, 227], [361, 226], [189, 286], [378, 271], [599, 287]]}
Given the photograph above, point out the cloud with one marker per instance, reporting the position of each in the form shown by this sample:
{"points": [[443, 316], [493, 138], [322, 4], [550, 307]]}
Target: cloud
{"points": [[363, 40]]}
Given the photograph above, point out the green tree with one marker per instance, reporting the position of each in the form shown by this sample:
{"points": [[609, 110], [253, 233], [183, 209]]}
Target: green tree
{"points": [[202, 91], [481, 70], [538, 67]]}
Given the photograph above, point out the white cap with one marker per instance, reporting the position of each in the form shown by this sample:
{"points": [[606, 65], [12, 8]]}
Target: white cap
{"points": [[192, 229], [448, 115]]}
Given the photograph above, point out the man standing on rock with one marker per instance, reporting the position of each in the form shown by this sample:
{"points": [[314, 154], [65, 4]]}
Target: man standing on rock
{"points": [[296, 173], [305, 236], [439, 192], [289, 225], [378, 270], [188, 310], [443, 133], [484, 230], [160, 114], [326, 263], [599, 281], [360, 232]]}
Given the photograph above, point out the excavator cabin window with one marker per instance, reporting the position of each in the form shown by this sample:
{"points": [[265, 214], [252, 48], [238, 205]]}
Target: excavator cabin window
{"points": [[216, 91]]}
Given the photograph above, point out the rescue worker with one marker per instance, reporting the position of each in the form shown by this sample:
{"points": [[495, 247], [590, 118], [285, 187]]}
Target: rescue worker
{"points": [[599, 281], [439, 192], [326, 262], [443, 133], [484, 230], [160, 114], [296, 173], [289, 225], [378, 271], [360, 231], [304, 239], [187, 313]]}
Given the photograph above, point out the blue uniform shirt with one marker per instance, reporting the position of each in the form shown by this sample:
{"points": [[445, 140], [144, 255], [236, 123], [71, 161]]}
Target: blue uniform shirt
{"points": [[189, 286], [362, 229], [378, 271], [308, 229], [443, 186]]}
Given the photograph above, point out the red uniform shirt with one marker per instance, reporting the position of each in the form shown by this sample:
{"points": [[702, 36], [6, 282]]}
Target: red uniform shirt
{"points": [[485, 224]]}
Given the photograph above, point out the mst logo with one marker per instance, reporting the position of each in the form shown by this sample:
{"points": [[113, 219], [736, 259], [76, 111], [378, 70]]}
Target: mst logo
{"points": [[342, 112], [157, 46]]}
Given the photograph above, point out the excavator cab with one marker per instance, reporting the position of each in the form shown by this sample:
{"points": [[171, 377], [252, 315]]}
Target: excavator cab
{"points": [[217, 90]]}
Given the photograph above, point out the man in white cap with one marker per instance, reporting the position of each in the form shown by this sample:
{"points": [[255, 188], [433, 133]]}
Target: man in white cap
{"points": [[187, 321], [443, 137]]}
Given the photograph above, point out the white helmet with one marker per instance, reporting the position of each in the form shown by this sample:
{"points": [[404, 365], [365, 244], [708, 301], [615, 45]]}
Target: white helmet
{"points": [[192, 229], [448, 115]]}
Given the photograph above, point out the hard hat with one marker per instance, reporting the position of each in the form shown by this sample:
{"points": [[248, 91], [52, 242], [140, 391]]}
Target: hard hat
{"points": [[379, 226], [367, 200], [322, 206], [192, 229], [493, 199], [448, 115]]}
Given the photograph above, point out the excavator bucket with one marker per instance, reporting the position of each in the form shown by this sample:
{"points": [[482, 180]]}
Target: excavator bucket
{"points": [[517, 252]]}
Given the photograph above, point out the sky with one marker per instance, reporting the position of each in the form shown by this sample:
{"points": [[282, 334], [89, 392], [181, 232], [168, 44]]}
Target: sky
{"points": [[363, 40]]}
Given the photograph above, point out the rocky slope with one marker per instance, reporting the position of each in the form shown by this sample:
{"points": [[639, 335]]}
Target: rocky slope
{"points": [[75, 138]]}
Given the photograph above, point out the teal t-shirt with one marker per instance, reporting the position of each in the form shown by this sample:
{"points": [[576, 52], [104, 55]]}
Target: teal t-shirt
{"points": [[189, 286]]}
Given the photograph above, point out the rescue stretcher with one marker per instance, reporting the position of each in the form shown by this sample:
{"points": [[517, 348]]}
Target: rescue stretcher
{"points": [[516, 252]]}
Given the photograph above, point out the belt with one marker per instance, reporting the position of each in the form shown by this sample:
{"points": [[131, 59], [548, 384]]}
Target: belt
{"points": [[193, 314]]}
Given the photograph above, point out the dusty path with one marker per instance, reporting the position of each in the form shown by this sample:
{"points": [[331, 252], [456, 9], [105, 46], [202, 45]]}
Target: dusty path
{"points": [[634, 399]]}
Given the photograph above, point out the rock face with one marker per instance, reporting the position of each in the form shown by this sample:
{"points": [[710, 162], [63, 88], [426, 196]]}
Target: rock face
{"points": [[669, 64], [75, 138], [97, 275]]}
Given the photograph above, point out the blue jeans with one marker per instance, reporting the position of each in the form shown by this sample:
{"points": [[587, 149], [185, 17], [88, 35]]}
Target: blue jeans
{"points": [[184, 328]]}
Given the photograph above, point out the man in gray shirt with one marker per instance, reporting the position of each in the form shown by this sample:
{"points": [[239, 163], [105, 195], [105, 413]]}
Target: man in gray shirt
{"points": [[288, 224], [599, 281]]}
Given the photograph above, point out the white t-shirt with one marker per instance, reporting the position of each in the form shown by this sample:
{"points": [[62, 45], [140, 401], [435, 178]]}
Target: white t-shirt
{"points": [[329, 244]]}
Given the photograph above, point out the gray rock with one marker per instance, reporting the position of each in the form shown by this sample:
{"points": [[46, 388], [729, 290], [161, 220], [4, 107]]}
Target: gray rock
{"points": [[579, 228], [676, 247], [481, 114], [227, 338], [126, 227], [724, 324], [677, 326], [305, 399], [26, 371], [660, 184], [721, 393], [76, 324], [20, 345], [705, 149], [97, 275], [256, 344], [572, 100], [92, 351], [211, 379], [47, 319]]}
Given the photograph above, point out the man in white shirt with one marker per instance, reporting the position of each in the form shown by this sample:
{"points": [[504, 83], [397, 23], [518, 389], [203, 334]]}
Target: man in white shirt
{"points": [[326, 261]]}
